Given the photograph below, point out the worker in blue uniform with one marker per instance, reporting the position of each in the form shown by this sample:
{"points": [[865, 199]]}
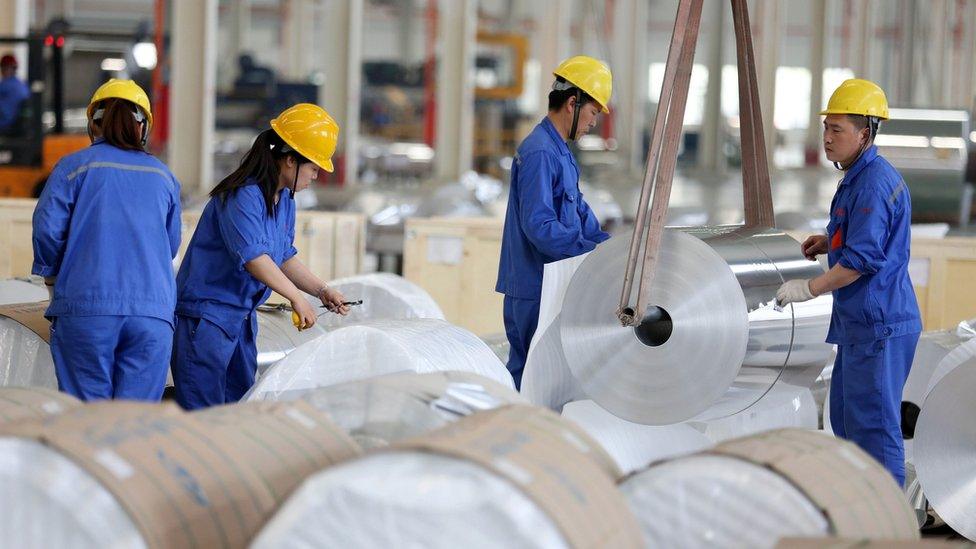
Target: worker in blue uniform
{"points": [[243, 248], [547, 218], [13, 93], [106, 230], [875, 321]]}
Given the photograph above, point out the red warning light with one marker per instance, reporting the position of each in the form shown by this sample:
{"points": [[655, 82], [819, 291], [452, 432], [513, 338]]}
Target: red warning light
{"points": [[60, 42], [49, 40]]}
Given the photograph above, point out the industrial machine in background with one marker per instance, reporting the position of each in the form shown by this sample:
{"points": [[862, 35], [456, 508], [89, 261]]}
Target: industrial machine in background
{"points": [[931, 148], [52, 123]]}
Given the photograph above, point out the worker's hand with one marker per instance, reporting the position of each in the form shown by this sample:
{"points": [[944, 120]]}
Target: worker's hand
{"points": [[303, 315], [794, 291], [332, 300], [814, 246]]}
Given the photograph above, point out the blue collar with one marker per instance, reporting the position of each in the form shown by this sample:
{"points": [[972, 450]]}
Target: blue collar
{"points": [[561, 145], [866, 158]]}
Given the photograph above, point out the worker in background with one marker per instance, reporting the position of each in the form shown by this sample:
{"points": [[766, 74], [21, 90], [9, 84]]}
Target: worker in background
{"points": [[106, 230], [547, 218], [875, 322], [13, 93], [241, 250]]}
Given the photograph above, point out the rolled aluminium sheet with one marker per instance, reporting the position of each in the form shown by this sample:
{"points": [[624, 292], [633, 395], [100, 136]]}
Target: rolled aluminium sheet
{"points": [[728, 346], [25, 358], [546, 380], [933, 347], [498, 343], [409, 499], [784, 406], [751, 491], [385, 296], [945, 448], [378, 348], [717, 501], [53, 502], [381, 410], [633, 445]]}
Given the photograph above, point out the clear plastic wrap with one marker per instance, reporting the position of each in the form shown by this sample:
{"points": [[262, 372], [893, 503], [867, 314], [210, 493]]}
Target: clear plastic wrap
{"points": [[277, 336], [385, 297], [376, 348], [632, 445], [498, 343], [378, 411], [718, 501], [409, 499], [25, 358], [783, 406], [52, 502]]}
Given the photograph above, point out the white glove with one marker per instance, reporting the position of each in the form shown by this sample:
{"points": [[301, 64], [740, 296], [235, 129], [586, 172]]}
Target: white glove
{"points": [[50, 292], [794, 291]]}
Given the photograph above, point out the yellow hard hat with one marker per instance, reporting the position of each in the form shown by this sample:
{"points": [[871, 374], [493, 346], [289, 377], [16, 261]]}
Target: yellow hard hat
{"points": [[122, 89], [857, 96], [590, 75], [309, 130]]}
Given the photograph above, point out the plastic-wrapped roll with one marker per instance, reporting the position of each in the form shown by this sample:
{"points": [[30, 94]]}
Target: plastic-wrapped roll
{"points": [[409, 499], [17, 403], [377, 348], [385, 296], [122, 474], [945, 448], [277, 336], [59, 504], [381, 410], [751, 491], [633, 445], [782, 407], [718, 344], [25, 357], [498, 343], [512, 477]]}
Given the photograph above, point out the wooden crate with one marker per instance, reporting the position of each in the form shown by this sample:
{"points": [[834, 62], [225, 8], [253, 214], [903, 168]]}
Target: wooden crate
{"points": [[16, 247], [943, 271], [332, 244], [456, 261]]}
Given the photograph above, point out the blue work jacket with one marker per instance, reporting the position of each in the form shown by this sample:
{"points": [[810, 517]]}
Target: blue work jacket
{"points": [[547, 218], [212, 282], [13, 92], [108, 227], [870, 232]]}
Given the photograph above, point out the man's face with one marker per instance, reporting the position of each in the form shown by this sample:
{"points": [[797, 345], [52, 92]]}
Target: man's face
{"points": [[841, 139], [589, 116]]}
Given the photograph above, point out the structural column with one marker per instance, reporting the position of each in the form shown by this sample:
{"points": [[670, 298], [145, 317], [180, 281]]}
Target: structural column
{"points": [[456, 29], [193, 70], [14, 22], [552, 44], [630, 68], [864, 40], [710, 155], [238, 29], [342, 24], [818, 31], [770, 20], [298, 38]]}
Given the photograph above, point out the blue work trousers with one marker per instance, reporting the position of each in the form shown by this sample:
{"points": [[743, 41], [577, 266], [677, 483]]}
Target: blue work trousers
{"points": [[111, 357], [521, 320], [865, 398], [210, 366]]}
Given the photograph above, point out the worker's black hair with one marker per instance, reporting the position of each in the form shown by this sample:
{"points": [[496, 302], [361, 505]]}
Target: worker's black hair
{"points": [[862, 122], [118, 127], [260, 163], [558, 98]]}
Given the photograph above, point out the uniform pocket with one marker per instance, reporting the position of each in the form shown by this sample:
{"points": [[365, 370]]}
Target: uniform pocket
{"points": [[569, 212]]}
